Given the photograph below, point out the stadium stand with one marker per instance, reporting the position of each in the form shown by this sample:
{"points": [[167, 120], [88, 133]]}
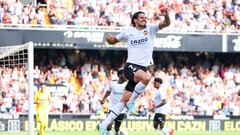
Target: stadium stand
{"points": [[188, 15], [199, 87]]}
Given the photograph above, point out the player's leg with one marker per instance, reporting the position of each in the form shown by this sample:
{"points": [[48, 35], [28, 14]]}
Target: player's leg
{"points": [[138, 79], [45, 122], [38, 122], [115, 111], [39, 119], [165, 130], [41, 123], [117, 123], [143, 78], [156, 121], [109, 128], [41, 128]]}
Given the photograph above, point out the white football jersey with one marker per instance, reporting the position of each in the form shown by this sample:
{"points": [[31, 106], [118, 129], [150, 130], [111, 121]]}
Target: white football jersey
{"points": [[160, 95], [140, 44], [116, 90]]}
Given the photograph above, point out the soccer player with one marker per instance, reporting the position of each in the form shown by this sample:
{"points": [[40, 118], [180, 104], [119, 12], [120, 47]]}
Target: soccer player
{"points": [[115, 92], [42, 100], [140, 40], [160, 107]]}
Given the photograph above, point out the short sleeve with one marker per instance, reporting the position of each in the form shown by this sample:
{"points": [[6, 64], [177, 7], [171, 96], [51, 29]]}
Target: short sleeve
{"points": [[122, 35], [110, 87], [163, 94], [154, 28]]}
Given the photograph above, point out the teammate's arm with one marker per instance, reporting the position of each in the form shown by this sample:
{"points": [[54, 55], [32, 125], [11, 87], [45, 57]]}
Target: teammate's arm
{"points": [[105, 96], [164, 101], [111, 39], [166, 21]]}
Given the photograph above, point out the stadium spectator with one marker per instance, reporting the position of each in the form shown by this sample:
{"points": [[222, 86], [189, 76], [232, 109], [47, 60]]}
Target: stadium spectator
{"points": [[198, 15], [206, 90]]}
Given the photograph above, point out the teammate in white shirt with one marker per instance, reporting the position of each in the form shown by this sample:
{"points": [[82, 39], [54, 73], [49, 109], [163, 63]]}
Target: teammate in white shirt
{"points": [[140, 38], [160, 107], [115, 92]]}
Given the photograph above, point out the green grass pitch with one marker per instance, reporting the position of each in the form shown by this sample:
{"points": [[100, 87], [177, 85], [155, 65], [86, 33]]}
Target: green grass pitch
{"points": [[129, 133]]}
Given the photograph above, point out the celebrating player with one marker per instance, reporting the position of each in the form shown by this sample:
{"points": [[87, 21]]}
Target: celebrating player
{"points": [[140, 40]]}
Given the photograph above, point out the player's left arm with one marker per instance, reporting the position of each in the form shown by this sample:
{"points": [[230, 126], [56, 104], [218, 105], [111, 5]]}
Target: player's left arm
{"points": [[164, 101], [166, 22], [105, 96]]}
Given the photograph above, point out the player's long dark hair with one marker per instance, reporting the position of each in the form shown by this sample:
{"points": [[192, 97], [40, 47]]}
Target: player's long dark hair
{"points": [[134, 16]]}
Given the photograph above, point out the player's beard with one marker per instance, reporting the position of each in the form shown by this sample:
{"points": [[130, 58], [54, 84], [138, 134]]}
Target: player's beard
{"points": [[141, 25], [144, 25]]}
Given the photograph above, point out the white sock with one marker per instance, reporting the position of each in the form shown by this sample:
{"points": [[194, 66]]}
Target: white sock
{"points": [[123, 132], [165, 131], [108, 133], [139, 88], [113, 114]]}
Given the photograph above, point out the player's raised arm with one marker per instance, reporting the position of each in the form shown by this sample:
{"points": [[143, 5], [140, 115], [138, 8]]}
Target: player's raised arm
{"points": [[111, 39], [166, 22]]}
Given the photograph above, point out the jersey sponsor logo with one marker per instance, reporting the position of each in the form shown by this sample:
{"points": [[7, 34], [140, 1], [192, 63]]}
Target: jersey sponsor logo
{"points": [[139, 41], [117, 93]]}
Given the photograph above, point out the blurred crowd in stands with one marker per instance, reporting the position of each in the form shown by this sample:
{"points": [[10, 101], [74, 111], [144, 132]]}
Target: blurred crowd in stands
{"points": [[195, 83], [186, 15]]}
